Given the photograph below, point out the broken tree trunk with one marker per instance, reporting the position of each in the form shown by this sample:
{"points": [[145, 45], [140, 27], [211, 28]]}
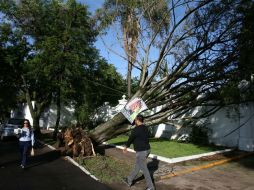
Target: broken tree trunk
{"points": [[76, 142], [105, 131]]}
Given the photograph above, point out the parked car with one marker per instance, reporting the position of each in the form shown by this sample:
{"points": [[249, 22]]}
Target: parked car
{"points": [[7, 129]]}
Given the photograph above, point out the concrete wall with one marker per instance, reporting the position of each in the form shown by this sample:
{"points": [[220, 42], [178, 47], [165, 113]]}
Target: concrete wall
{"points": [[246, 132], [232, 126], [221, 123], [49, 116]]}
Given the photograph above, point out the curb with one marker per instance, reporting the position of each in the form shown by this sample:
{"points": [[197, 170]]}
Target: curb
{"points": [[72, 161], [49, 146], [80, 167], [173, 160]]}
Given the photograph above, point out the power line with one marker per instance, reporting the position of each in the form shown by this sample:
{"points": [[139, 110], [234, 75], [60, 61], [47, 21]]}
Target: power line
{"points": [[106, 94], [106, 86]]}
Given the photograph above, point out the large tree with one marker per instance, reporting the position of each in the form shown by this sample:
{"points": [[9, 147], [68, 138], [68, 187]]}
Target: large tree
{"points": [[53, 54], [8, 80], [246, 41], [198, 58]]}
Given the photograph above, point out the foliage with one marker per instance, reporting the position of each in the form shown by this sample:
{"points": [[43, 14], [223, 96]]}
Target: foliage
{"points": [[200, 135], [8, 81], [50, 47], [102, 84], [246, 41]]}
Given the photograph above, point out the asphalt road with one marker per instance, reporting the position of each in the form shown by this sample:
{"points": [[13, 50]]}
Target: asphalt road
{"points": [[47, 170]]}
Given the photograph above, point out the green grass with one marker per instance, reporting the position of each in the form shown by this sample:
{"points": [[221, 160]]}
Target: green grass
{"points": [[105, 168], [169, 149]]}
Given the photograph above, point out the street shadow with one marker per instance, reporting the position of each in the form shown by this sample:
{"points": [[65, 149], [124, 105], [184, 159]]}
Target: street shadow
{"points": [[43, 158], [34, 160], [241, 158], [152, 166], [11, 162], [101, 149]]}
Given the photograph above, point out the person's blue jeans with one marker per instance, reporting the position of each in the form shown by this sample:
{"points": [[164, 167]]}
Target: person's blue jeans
{"points": [[141, 164], [24, 147]]}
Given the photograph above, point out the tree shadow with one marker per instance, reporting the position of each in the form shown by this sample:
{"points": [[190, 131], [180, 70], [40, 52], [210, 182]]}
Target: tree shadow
{"points": [[241, 158], [33, 161], [43, 158], [152, 166], [101, 149]]}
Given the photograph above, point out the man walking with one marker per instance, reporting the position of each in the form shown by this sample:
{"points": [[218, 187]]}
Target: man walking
{"points": [[140, 139]]}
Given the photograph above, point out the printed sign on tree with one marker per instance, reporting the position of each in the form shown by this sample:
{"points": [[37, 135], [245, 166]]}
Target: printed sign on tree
{"points": [[133, 108]]}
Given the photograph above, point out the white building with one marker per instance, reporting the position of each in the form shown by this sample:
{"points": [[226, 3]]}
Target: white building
{"points": [[232, 126], [48, 118]]}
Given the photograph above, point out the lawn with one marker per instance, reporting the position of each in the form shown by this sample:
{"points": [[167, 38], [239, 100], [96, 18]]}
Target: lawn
{"points": [[106, 168], [169, 149]]}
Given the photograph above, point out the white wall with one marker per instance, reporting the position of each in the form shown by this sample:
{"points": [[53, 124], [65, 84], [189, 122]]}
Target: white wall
{"points": [[221, 123], [239, 119], [48, 118], [22, 111], [246, 132]]}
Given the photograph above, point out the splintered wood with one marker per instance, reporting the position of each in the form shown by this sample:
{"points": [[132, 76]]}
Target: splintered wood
{"points": [[76, 142]]}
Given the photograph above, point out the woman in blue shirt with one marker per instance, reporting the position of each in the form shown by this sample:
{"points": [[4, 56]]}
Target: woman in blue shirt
{"points": [[26, 142]]}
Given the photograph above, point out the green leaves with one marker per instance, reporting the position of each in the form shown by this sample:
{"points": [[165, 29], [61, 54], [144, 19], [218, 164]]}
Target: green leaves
{"points": [[50, 46]]}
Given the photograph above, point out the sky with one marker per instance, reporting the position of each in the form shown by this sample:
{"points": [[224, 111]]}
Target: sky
{"points": [[109, 40]]}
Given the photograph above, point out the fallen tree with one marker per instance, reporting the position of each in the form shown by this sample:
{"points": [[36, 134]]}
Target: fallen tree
{"points": [[197, 56]]}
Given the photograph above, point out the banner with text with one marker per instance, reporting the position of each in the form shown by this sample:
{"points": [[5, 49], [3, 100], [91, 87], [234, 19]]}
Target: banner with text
{"points": [[133, 108]]}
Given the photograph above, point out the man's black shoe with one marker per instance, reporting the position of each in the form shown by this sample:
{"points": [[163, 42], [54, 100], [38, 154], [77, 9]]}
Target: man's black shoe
{"points": [[125, 180]]}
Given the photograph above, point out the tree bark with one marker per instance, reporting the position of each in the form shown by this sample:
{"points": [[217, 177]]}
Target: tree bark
{"points": [[129, 79], [58, 103], [115, 126], [36, 125]]}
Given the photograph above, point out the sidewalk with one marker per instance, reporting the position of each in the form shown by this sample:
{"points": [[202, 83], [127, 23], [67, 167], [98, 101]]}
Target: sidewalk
{"points": [[156, 167], [221, 177], [47, 170]]}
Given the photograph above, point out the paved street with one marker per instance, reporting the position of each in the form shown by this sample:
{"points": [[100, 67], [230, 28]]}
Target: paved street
{"points": [[47, 170]]}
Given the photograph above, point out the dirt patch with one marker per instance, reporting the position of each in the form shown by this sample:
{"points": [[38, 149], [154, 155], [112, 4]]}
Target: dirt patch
{"points": [[105, 168]]}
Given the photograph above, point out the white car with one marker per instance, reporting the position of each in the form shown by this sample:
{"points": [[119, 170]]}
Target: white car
{"points": [[7, 130]]}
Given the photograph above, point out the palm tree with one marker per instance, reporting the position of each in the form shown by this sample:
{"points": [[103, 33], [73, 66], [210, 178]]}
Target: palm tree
{"points": [[131, 14]]}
